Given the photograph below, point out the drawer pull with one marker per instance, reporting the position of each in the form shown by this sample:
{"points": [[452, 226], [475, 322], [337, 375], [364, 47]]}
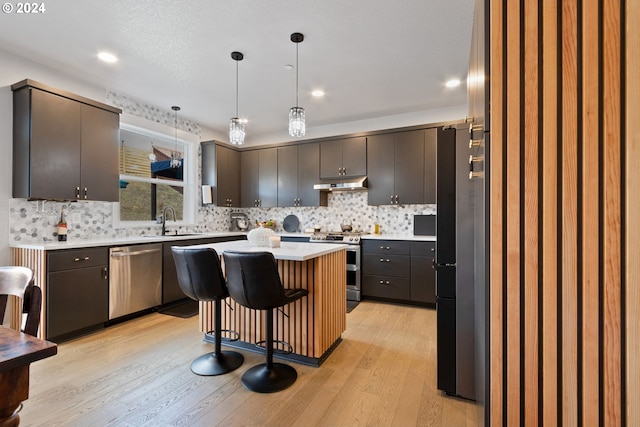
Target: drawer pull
{"points": [[384, 260], [385, 247], [81, 259], [384, 282]]}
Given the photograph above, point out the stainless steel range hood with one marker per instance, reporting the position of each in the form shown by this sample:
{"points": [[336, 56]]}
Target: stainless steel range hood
{"points": [[358, 183]]}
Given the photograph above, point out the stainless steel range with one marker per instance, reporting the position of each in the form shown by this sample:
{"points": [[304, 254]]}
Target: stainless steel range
{"points": [[353, 257]]}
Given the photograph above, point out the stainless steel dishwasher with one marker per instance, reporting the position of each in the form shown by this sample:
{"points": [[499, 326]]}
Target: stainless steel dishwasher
{"points": [[135, 278]]}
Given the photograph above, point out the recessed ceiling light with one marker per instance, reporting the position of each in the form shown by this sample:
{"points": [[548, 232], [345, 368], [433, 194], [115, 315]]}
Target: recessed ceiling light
{"points": [[107, 57], [317, 93], [453, 83]]}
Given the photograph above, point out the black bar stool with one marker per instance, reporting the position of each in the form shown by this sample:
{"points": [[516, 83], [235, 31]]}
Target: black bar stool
{"points": [[254, 282], [200, 278]]}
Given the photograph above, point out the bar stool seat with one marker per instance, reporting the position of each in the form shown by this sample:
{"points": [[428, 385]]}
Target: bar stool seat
{"points": [[200, 278], [254, 282]]}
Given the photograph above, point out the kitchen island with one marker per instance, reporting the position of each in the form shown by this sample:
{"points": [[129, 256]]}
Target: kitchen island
{"points": [[312, 325]]}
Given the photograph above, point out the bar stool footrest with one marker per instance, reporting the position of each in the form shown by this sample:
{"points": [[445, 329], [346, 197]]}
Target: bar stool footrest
{"points": [[289, 349], [211, 336]]}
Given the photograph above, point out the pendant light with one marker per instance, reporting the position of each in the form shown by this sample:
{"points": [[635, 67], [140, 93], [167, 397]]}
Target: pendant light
{"points": [[176, 156], [236, 126], [296, 114]]}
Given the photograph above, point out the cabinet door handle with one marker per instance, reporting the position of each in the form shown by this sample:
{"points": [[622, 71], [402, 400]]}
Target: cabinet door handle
{"points": [[85, 193], [105, 273], [77, 192]]}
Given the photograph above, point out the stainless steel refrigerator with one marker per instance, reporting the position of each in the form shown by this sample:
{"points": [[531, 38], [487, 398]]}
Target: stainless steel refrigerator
{"points": [[455, 265]]}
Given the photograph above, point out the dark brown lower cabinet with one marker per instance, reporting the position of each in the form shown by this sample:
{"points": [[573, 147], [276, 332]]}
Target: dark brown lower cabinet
{"points": [[399, 270], [386, 269], [77, 291]]}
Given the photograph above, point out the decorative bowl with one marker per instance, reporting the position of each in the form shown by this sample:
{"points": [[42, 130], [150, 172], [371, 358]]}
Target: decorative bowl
{"points": [[260, 236], [267, 224]]}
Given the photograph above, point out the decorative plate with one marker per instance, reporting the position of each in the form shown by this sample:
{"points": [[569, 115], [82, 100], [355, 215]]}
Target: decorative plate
{"points": [[290, 223]]}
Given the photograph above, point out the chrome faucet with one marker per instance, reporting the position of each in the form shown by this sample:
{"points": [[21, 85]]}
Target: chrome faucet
{"points": [[164, 217]]}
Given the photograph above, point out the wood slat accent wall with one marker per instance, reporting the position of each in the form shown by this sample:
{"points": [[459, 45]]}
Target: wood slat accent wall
{"points": [[564, 197], [36, 260], [631, 203]]}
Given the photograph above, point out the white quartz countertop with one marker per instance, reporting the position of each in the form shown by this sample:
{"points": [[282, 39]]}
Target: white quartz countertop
{"points": [[409, 237], [290, 251], [135, 240], [119, 241]]}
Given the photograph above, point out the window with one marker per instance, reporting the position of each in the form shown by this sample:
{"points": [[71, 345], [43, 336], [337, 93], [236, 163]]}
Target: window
{"points": [[150, 181]]}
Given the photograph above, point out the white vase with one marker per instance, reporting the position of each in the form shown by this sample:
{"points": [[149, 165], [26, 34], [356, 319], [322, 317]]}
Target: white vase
{"points": [[260, 236]]}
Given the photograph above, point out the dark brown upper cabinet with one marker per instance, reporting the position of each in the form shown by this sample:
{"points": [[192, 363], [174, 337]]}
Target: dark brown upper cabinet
{"points": [[298, 171], [396, 168], [259, 183], [221, 170], [340, 158], [65, 147]]}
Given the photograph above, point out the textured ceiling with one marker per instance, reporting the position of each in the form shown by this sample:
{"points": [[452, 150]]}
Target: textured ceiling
{"points": [[373, 58]]}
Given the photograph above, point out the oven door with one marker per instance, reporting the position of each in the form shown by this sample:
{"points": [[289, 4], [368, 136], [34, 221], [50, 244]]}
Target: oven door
{"points": [[353, 273]]}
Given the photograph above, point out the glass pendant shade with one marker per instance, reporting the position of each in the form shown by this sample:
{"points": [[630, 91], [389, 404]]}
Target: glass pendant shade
{"points": [[297, 126], [176, 160], [236, 131]]}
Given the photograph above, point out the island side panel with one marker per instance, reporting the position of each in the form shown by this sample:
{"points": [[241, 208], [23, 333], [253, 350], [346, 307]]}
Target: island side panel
{"points": [[330, 306], [314, 323]]}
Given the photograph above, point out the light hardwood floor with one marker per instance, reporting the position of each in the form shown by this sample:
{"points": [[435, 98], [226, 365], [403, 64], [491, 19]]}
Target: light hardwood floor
{"points": [[137, 374]]}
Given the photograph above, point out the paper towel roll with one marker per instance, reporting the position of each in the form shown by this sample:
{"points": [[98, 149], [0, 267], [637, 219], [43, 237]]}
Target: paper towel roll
{"points": [[207, 195]]}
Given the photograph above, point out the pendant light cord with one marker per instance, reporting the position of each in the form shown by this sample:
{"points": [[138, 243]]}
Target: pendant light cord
{"points": [[297, 74], [176, 128], [236, 88]]}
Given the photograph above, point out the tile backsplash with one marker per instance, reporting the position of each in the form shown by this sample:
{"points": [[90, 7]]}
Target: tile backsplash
{"points": [[36, 221]]}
